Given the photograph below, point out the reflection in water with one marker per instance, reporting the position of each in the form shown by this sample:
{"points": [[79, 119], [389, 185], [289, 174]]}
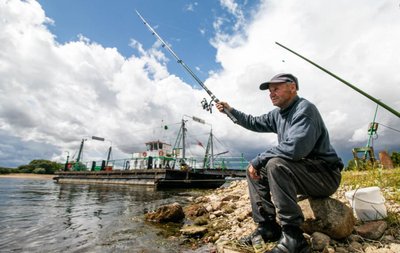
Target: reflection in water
{"points": [[41, 216]]}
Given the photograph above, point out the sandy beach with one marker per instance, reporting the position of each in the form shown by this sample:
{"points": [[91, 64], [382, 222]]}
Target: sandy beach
{"points": [[28, 176]]}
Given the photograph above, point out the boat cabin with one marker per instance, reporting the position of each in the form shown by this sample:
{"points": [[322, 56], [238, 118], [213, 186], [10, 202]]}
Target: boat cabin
{"points": [[157, 156]]}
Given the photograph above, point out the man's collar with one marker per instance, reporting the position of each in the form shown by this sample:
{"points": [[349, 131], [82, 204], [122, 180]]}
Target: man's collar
{"points": [[286, 110]]}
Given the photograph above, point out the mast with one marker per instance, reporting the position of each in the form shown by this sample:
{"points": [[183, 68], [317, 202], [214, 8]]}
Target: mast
{"points": [[108, 155], [183, 139], [372, 129], [80, 151], [209, 155], [212, 149]]}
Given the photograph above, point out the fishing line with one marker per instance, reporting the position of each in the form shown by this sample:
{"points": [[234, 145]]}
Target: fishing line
{"points": [[396, 130]]}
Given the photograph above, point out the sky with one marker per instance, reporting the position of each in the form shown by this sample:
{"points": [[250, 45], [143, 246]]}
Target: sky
{"points": [[72, 69]]}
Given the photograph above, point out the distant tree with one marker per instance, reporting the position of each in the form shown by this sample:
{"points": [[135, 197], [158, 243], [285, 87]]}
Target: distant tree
{"points": [[25, 168], [5, 170], [49, 166], [39, 171]]}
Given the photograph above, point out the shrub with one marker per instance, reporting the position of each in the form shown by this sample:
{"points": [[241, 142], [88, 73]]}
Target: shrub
{"points": [[25, 168], [361, 165], [5, 170], [49, 166], [395, 159], [39, 171]]}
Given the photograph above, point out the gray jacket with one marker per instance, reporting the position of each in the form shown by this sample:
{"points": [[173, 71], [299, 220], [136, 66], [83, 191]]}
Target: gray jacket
{"points": [[301, 133]]}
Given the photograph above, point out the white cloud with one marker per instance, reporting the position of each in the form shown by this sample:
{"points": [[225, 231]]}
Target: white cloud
{"points": [[354, 40], [56, 94], [59, 93], [191, 6]]}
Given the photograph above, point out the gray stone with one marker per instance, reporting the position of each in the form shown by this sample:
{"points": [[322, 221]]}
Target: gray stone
{"points": [[341, 250], [372, 230], [356, 246], [328, 216], [193, 230], [230, 197], [328, 249], [319, 241]]}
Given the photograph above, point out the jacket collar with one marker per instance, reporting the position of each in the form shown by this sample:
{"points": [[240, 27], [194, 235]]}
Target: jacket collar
{"points": [[286, 110]]}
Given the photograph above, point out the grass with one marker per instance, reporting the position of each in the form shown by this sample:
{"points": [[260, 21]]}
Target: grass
{"points": [[389, 182], [385, 179]]}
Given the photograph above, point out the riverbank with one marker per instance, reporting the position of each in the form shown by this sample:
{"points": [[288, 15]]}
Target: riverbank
{"points": [[224, 216], [28, 176]]}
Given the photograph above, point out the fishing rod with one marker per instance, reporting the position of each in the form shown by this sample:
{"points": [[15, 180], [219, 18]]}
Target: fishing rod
{"points": [[180, 61], [345, 82]]}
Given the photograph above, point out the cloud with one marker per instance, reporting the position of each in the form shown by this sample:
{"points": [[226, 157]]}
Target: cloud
{"points": [[55, 94], [346, 40], [18, 152], [190, 6]]}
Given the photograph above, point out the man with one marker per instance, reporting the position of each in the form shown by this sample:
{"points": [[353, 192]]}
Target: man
{"points": [[303, 163]]}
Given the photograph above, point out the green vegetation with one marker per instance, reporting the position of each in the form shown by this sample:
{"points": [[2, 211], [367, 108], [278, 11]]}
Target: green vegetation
{"points": [[36, 167], [395, 159], [4, 170], [372, 177], [362, 165]]}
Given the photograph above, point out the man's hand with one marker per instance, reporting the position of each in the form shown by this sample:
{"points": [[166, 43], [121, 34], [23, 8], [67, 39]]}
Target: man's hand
{"points": [[253, 173], [221, 105]]}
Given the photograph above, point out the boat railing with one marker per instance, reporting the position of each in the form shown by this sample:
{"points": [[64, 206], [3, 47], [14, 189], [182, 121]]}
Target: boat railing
{"points": [[220, 163]]}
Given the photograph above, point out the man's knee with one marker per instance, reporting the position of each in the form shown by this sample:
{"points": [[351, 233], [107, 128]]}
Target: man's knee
{"points": [[276, 166]]}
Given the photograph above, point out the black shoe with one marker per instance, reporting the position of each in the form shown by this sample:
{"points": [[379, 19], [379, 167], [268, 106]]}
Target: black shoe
{"points": [[269, 231], [291, 241]]}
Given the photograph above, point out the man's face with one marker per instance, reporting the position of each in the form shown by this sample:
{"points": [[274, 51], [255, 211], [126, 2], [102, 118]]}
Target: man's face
{"points": [[281, 94]]}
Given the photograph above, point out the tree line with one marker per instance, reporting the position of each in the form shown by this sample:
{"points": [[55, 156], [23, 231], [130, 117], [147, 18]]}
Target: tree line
{"points": [[35, 166], [42, 166]]}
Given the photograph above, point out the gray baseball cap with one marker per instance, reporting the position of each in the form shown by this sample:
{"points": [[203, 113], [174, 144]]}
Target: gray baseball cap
{"points": [[280, 78]]}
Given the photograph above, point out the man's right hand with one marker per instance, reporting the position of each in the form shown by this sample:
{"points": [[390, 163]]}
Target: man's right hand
{"points": [[221, 105]]}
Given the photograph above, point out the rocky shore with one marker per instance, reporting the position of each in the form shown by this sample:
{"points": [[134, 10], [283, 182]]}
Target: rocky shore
{"points": [[215, 223]]}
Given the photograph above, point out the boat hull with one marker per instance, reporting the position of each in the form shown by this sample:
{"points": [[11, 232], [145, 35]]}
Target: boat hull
{"points": [[159, 178]]}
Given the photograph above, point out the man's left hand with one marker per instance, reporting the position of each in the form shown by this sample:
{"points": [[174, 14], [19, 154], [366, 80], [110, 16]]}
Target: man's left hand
{"points": [[253, 173]]}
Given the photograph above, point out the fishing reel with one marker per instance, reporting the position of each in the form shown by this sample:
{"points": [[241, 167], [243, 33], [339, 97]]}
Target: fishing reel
{"points": [[207, 106]]}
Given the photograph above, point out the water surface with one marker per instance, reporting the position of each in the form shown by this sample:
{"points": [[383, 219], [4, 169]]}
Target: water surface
{"points": [[42, 216]]}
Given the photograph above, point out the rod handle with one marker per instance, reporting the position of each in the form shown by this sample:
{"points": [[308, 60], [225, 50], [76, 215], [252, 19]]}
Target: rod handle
{"points": [[226, 111], [230, 115]]}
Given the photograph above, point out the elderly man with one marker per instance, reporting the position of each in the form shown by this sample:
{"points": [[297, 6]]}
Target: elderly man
{"points": [[303, 163]]}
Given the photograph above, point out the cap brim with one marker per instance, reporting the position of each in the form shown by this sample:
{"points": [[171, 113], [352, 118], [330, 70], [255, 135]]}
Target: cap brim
{"points": [[265, 86]]}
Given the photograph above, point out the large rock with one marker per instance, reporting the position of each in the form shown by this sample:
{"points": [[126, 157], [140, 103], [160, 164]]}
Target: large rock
{"points": [[167, 213], [328, 216]]}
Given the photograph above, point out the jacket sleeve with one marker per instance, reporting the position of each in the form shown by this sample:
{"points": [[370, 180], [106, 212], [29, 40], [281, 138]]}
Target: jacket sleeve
{"points": [[264, 123], [298, 142]]}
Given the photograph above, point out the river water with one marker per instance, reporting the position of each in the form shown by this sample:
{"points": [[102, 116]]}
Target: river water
{"points": [[42, 216]]}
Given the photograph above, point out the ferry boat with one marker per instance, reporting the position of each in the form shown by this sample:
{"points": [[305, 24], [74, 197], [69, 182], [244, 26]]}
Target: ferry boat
{"points": [[160, 165]]}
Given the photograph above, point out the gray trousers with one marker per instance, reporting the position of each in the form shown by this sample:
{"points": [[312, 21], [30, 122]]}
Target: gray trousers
{"points": [[283, 180]]}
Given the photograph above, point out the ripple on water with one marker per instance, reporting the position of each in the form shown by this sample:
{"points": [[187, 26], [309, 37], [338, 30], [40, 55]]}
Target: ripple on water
{"points": [[41, 216]]}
